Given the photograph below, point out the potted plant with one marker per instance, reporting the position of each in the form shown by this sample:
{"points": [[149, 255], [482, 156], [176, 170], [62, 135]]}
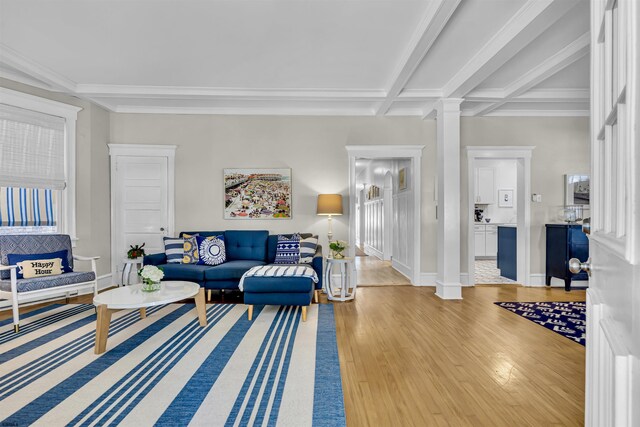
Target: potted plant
{"points": [[338, 246], [135, 251]]}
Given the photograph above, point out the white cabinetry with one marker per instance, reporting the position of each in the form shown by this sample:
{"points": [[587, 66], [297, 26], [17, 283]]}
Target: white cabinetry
{"points": [[485, 185], [486, 240]]}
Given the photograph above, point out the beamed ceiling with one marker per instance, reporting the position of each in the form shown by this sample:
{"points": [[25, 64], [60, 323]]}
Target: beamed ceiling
{"points": [[313, 57]]}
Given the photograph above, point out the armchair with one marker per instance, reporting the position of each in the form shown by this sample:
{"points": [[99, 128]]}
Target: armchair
{"points": [[18, 291]]}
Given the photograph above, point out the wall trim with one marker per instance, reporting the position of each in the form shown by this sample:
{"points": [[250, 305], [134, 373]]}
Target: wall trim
{"points": [[427, 279], [414, 152], [522, 154]]}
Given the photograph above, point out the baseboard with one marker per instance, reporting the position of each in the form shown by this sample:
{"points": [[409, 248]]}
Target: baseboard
{"points": [[427, 279], [401, 268], [464, 280], [538, 280], [370, 250]]}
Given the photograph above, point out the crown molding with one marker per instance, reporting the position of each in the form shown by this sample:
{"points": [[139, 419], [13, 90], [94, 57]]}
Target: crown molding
{"points": [[538, 113], [246, 111]]}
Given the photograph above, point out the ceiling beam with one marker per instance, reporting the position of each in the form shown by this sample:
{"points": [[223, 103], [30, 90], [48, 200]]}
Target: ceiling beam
{"points": [[527, 24], [436, 18], [557, 62]]}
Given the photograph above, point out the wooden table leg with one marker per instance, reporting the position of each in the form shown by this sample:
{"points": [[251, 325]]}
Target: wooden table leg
{"points": [[143, 313], [102, 328], [201, 307]]}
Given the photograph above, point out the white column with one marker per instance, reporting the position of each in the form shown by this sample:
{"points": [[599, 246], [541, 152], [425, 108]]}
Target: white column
{"points": [[448, 284]]}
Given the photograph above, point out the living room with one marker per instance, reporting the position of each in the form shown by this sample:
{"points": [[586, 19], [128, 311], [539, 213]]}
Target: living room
{"points": [[281, 107]]}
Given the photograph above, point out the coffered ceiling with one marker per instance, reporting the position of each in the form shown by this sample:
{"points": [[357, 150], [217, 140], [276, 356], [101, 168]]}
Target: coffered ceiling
{"points": [[313, 57]]}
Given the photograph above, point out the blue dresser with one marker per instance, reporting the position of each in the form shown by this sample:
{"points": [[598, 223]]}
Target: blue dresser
{"points": [[508, 251], [565, 241]]}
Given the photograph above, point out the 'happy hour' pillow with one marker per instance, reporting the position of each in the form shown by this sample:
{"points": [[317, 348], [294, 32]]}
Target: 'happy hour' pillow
{"points": [[40, 267]]}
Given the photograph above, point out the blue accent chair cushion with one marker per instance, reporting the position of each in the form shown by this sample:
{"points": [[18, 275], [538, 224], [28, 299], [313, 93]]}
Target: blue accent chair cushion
{"points": [[36, 283], [14, 259], [33, 244]]}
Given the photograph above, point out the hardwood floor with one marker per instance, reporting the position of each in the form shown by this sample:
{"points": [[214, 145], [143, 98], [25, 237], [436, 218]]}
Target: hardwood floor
{"points": [[374, 272], [408, 358]]}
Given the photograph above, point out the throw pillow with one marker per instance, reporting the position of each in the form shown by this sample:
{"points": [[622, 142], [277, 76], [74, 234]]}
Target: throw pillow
{"points": [[212, 250], [287, 249], [174, 249], [40, 268], [190, 254], [308, 249], [14, 259]]}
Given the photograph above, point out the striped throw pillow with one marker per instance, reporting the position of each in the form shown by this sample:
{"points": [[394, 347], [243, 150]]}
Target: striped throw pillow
{"points": [[174, 249], [308, 249]]}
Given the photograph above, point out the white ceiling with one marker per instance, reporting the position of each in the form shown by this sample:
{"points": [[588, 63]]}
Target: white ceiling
{"points": [[314, 57]]}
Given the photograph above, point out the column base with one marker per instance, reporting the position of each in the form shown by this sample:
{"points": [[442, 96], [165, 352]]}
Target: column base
{"points": [[448, 290]]}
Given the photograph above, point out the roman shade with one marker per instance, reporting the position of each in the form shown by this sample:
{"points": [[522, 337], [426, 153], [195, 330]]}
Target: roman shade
{"points": [[32, 149]]}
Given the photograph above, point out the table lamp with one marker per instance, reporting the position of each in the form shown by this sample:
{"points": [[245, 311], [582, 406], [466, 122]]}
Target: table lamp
{"points": [[329, 204]]}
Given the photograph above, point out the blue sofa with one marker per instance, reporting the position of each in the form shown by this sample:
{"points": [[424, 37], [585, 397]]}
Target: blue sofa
{"points": [[244, 249]]}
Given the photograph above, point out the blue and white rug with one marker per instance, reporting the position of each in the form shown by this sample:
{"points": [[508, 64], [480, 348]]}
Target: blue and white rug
{"points": [[568, 319], [166, 370]]}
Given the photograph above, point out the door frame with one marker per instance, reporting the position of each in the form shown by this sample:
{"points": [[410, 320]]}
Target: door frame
{"points": [[522, 155], [142, 150], [413, 152]]}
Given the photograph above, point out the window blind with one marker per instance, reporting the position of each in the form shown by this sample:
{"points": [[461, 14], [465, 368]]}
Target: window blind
{"points": [[31, 149], [27, 207]]}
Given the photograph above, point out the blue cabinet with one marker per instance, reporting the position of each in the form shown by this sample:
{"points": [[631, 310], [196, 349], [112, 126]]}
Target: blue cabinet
{"points": [[508, 251], [565, 241]]}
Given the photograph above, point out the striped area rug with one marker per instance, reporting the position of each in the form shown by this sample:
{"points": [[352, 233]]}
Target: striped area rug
{"points": [[166, 370]]}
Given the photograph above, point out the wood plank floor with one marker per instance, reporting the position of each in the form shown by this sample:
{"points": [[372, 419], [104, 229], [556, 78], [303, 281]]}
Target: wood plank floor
{"points": [[408, 358], [374, 272]]}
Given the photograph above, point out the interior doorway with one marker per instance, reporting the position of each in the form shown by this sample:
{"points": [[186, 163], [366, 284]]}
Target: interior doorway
{"points": [[384, 190], [499, 189]]}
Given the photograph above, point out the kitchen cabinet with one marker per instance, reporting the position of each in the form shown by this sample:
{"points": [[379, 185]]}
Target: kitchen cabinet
{"points": [[485, 186], [486, 240], [508, 252]]}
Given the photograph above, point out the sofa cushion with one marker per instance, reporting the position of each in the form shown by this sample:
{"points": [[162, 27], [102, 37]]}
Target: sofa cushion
{"points": [[308, 248], [288, 249], [174, 249], [211, 250], [188, 272], [25, 285], [246, 244], [230, 270], [272, 242]]}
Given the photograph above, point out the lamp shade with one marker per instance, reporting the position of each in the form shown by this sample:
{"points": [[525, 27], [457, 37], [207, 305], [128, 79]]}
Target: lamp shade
{"points": [[329, 204]]}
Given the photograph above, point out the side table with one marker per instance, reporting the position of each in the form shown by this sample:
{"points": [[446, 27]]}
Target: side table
{"points": [[345, 290], [126, 270]]}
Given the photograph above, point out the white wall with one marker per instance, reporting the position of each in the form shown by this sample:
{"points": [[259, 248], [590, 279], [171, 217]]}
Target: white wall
{"points": [[506, 178]]}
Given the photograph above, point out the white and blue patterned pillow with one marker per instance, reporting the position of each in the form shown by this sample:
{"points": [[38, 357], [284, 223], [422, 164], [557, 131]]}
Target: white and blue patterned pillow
{"points": [[173, 249], [308, 249], [288, 249], [212, 250]]}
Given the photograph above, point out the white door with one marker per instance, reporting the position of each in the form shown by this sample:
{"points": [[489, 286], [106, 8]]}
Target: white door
{"points": [[141, 205], [613, 297]]}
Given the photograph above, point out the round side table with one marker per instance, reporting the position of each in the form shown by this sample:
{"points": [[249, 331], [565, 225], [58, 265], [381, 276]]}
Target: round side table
{"points": [[126, 270], [345, 288]]}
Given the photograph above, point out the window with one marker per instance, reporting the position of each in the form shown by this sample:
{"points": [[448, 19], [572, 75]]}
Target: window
{"points": [[37, 164]]}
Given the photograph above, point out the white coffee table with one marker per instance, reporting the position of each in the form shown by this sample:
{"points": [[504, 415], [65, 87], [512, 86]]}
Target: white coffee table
{"points": [[132, 297]]}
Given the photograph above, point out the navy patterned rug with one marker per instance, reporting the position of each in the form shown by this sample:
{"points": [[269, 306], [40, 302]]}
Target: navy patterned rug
{"points": [[565, 318]]}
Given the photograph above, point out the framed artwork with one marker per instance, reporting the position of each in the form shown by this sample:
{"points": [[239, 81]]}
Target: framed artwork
{"points": [[402, 179], [505, 198], [257, 194], [576, 190]]}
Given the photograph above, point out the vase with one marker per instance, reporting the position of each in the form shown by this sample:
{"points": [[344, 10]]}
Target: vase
{"points": [[338, 255], [149, 286]]}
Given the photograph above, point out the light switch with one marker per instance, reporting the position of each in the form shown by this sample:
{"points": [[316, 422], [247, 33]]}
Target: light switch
{"points": [[537, 198]]}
